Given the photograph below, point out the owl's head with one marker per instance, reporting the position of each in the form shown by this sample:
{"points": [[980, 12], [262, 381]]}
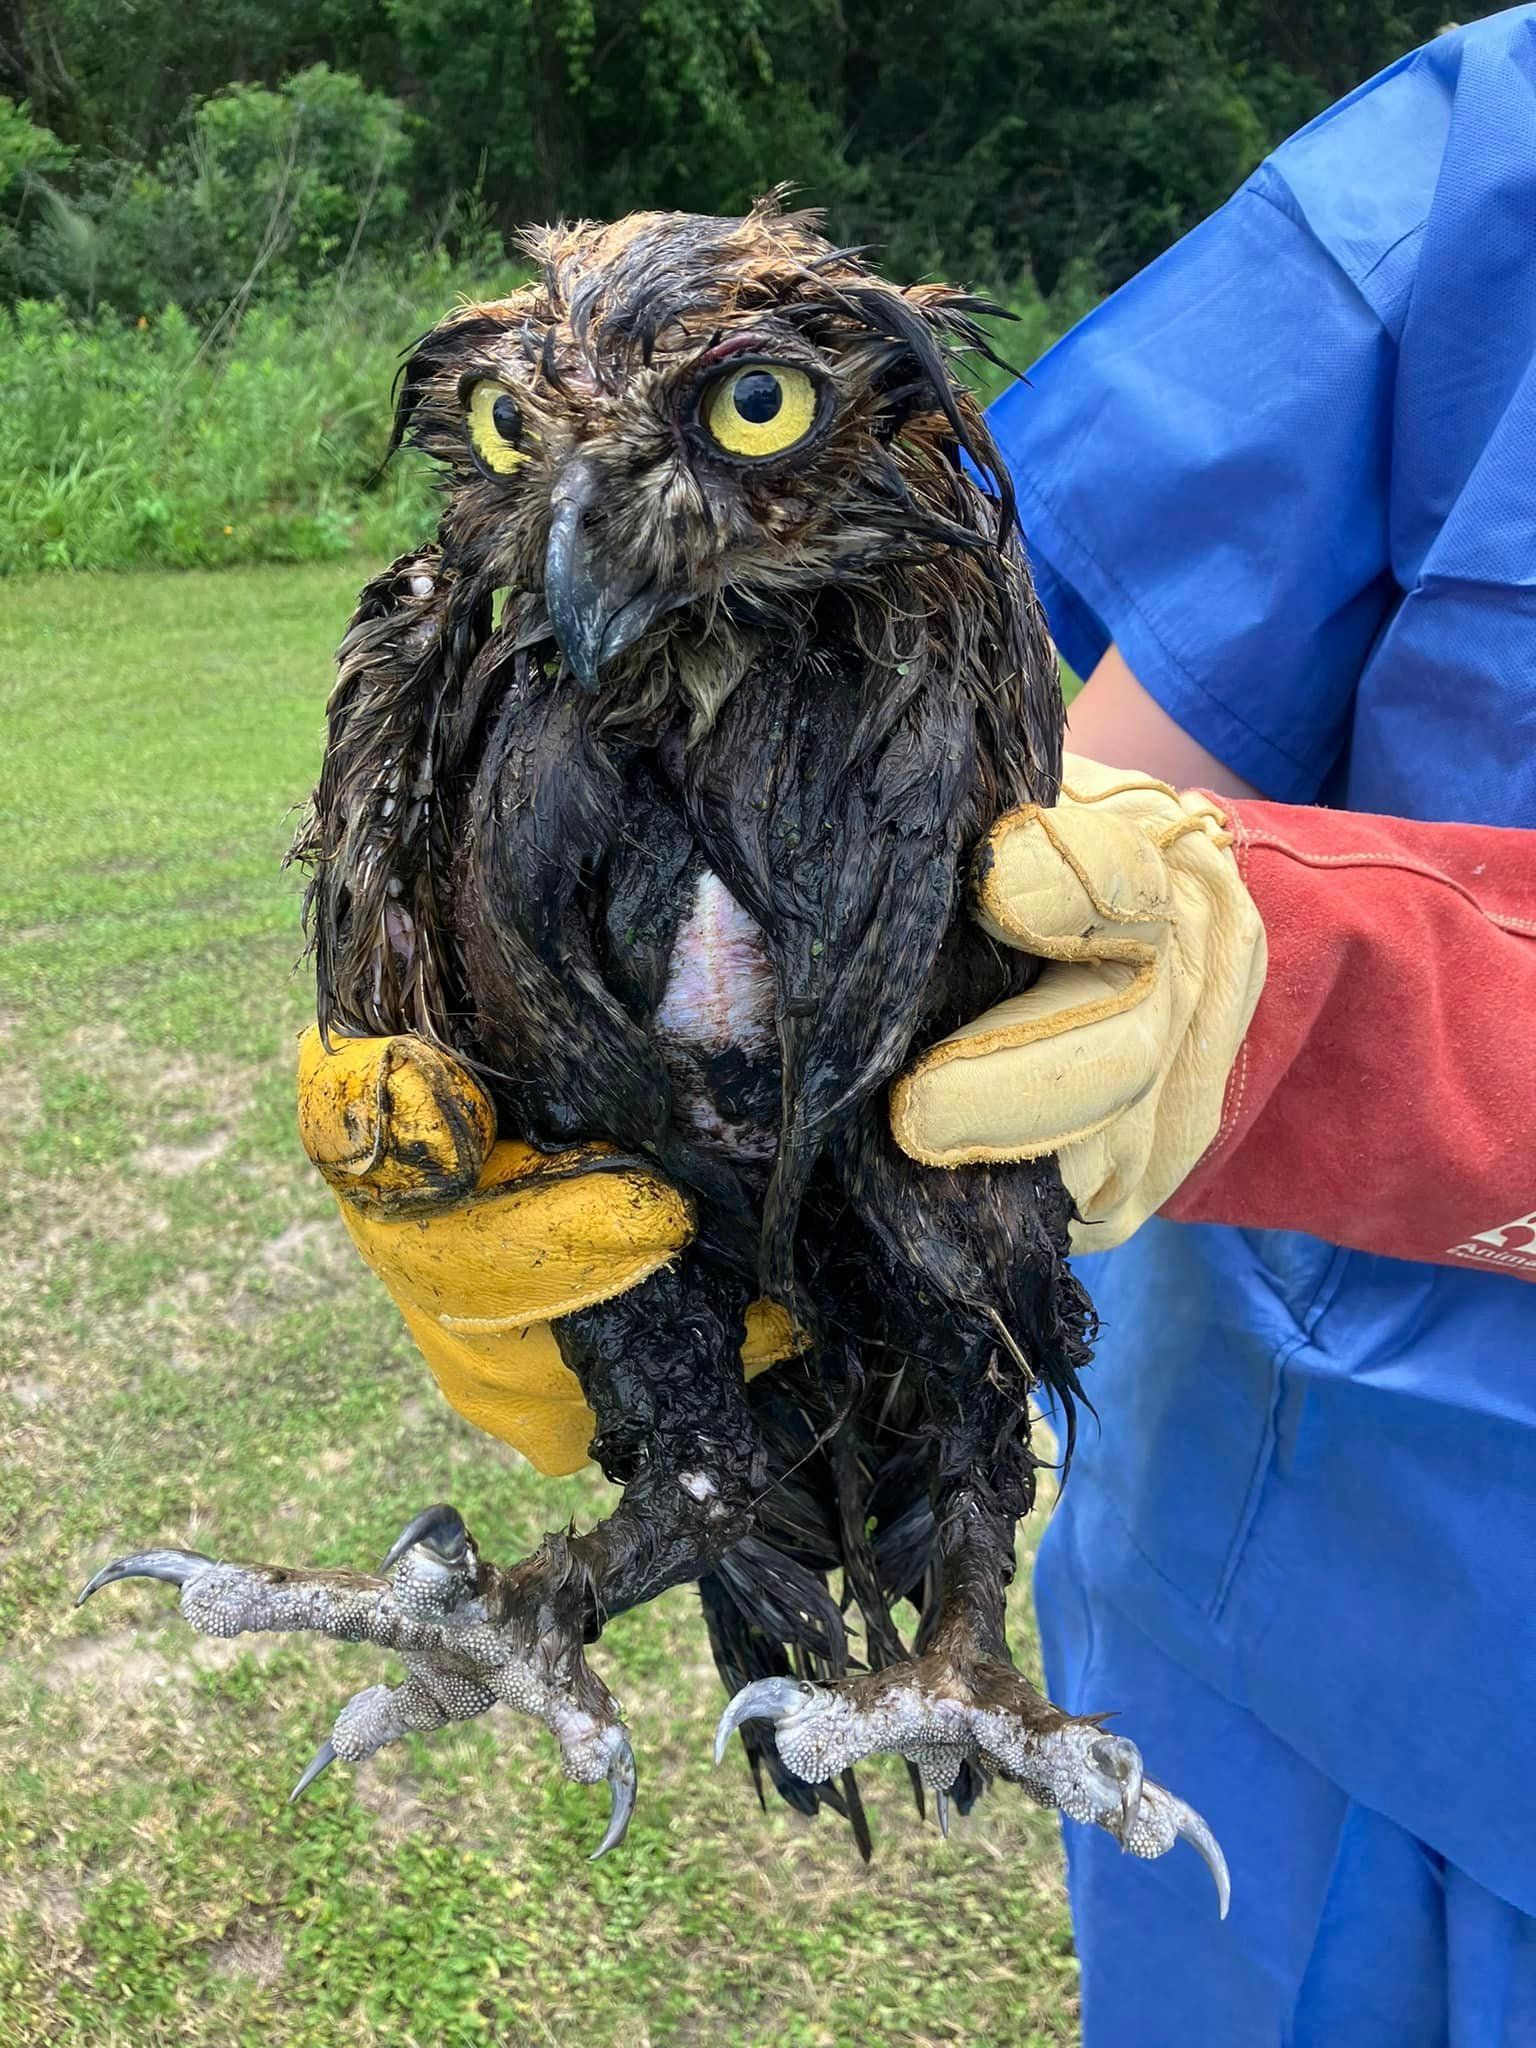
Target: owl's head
{"points": [[684, 424]]}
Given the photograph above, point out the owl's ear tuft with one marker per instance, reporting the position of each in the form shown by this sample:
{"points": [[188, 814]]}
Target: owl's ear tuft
{"points": [[443, 350], [931, 322]]}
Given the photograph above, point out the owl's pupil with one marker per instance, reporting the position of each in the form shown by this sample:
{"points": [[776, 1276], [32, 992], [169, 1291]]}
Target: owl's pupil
{"points": [[758, 397], [506, 419]]}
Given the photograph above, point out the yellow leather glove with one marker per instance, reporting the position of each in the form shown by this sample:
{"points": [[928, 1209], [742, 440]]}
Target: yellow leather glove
{"points": [[481, 1244], [1117, 1059]]}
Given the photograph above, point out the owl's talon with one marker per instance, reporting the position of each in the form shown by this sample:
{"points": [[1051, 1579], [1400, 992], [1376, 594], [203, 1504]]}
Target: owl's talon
{"points": [[175, 1567], [1121, 1760], [766, 1699], [441, 1533], [940, 1718], [322, 1760], [623, 1780]]}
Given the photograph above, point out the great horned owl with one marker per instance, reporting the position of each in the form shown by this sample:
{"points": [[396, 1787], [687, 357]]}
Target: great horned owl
{"points": [[650, 792]]}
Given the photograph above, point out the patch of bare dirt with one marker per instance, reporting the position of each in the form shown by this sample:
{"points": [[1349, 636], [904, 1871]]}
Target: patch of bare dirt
{"points": [[192, 1288], [21, 1101], [116, 1660], [312, 1256], [189, 1113], [124, 1664], [29, 1393], [395, 1802], [57, 1905], [336, 1458], [254, 1953], [174, 1094], [175, 1162]]}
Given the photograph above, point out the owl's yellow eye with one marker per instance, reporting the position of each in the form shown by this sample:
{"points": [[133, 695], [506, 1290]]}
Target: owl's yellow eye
{"points": [[496, 427], [761, 410]]}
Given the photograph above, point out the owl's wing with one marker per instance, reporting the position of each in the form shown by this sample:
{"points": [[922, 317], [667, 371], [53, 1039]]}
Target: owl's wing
{"points": [[371, 837]]}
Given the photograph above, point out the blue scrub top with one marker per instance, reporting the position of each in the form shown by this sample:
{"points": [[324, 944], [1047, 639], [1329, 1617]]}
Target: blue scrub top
{"points": [[1291, 470]]}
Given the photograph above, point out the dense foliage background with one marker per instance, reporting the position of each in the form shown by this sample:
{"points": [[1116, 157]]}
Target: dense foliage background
{"points": [[218, 218]]}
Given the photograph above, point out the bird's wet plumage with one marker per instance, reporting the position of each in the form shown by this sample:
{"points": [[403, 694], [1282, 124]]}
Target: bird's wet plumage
{"points": [[846, 679], [727, 640]]}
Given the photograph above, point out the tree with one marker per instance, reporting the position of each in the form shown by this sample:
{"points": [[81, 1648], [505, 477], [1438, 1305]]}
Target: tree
{"points": [[268, 187], [1001, 140]]}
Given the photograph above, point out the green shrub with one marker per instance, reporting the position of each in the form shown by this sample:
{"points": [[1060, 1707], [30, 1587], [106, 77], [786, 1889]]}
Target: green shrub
{"points": [[128, 446], [268, 191], [1033, 323], [27, 151], [29, 156], [979, 138]]}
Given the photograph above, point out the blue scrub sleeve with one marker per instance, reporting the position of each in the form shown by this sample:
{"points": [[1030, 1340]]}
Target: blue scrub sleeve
{"points": [[1203, 475]]}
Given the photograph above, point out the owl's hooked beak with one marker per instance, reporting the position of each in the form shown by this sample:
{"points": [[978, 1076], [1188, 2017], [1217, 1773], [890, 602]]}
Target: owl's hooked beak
{"points": [[596, 609]]}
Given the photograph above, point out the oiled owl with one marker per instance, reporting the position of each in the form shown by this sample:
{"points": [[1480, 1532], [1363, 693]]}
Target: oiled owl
{"points": [[650, 792]]}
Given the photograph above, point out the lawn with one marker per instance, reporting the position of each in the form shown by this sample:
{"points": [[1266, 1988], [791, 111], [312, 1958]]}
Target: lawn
{"points": [[191, 1354]]}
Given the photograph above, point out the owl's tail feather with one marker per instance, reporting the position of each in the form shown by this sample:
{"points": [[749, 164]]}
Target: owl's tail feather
{"points": [[744, 1652], [951, 1308], [849, 1501]]}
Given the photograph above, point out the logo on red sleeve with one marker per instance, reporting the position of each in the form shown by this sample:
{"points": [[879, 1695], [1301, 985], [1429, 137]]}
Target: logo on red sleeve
{"points": [[1506, 1244]]}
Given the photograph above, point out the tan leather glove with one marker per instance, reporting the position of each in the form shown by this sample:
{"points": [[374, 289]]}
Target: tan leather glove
{"points": [[481, 1244], [1117, 1060]]}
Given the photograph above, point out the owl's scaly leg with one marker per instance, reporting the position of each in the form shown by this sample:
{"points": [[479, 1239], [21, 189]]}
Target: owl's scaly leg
{"points": [[468, 1632], [663, 1370], [961, 1700]]}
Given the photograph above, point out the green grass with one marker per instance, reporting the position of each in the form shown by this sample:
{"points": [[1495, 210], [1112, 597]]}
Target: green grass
{"points": [[190, 1353]]}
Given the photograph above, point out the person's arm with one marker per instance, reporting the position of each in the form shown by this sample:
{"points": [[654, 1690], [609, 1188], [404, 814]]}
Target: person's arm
{"points": [[1392, 947], [1372, 1087], [1382, 1097], [1115, 717]]}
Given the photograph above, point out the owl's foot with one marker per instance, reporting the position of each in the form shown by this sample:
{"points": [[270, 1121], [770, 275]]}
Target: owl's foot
{"points": [[940, 1717], [468, 1632]]}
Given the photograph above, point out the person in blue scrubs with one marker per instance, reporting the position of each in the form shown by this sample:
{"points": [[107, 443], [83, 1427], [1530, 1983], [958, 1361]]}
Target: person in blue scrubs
{"points": [[1280, 498]]}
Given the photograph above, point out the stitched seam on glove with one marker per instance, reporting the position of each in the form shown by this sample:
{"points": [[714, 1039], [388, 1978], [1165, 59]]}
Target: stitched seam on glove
{"points": [[990, 1155], [1237, 1080], [993, 906], [1135, 785], [995, 912], [1068, 856], [1520, 927], [1195, 821]]}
